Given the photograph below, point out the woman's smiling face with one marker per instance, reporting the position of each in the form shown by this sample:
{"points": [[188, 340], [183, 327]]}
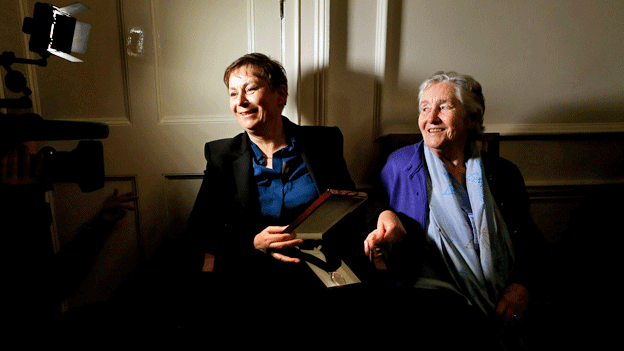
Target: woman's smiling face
{"points": [[442, 119], [254, 103]]}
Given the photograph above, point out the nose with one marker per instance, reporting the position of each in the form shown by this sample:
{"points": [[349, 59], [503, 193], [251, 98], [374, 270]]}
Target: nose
{"points": [[433, 115], [241, 99]]}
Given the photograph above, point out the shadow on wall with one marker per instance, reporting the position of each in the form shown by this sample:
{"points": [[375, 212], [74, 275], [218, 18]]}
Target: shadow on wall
{"points": [[582, 269], [350, 101]]}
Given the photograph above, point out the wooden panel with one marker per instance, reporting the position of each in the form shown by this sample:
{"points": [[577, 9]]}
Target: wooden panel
{"points": [[181, 193], [93, 90], [120, 254], [565, 213], [12, 41], [490, 142], [190, 74]]}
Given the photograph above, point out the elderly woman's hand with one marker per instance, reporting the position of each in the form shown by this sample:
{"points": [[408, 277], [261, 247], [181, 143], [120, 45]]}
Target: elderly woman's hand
{"points": [[389, 231], [272, 239], [513, 304]]}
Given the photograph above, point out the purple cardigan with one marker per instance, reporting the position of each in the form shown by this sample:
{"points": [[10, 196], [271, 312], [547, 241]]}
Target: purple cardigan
{"points": [[404, 180]]}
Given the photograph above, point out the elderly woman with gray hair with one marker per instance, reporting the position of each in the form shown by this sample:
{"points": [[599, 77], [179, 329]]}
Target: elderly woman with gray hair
{"points": [[471, 207]]}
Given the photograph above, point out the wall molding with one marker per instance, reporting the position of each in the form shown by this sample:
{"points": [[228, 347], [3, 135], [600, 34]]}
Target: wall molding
{"points": [[132, 179], [555, 209], [296, 26], [571, 191], [124, 69], [555, 128], [183, 176], [251, 26], [525, 129], [33, 80], [381, 40], [321, 59], [199, 118]]}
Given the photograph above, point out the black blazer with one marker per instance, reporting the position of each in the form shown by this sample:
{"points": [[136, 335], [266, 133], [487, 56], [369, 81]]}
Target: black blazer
{"points": [[226, 215]]}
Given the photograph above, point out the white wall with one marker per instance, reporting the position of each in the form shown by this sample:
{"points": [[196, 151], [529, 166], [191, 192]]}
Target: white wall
{"points": [[547, 68]]}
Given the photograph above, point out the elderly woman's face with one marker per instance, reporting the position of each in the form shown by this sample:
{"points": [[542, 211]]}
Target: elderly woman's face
{"points": [[442, 119], [254, 103]]}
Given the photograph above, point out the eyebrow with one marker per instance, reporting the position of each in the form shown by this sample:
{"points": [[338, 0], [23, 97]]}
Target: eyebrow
{"points": [[245, 84], [440, 101]]}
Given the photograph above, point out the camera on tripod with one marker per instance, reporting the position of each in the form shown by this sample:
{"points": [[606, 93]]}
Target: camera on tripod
{"points": [[53, 31]]}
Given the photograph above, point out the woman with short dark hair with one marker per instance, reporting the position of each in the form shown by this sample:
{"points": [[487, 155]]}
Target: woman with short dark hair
{"points": [[257, 182]]}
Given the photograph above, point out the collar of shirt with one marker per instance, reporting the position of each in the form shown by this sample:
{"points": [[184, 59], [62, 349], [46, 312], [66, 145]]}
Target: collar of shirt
{"points": [[285, 189], [280, 155]]}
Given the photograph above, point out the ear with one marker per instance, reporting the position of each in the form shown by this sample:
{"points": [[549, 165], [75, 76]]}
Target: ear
{"points": [[282, 91], [472, 125], [470, 122]]}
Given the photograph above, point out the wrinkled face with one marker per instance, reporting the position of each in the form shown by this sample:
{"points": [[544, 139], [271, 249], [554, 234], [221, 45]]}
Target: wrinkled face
{"points": [[254, 103], [442, 119]]}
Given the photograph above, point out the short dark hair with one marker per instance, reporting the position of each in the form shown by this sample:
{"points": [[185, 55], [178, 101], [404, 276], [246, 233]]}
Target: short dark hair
{"points": [[262, 67]]}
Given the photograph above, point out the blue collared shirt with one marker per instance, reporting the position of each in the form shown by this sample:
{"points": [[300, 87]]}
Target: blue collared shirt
{"points": [[286, 189]]}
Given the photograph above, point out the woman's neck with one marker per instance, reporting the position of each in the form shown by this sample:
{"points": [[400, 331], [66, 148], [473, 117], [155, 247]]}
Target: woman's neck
{"points": [[270, 142], [455, 164]]}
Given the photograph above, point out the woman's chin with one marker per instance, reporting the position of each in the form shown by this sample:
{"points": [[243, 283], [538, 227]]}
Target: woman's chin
{"points": [[249, 122]]}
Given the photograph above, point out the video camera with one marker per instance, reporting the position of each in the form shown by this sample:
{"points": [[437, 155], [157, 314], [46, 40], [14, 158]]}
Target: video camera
{"points": [[54, 31]]}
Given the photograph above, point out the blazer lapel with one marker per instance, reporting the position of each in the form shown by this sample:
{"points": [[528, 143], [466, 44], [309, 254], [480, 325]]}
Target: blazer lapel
{"points": [[310, 163], [241, 168]]}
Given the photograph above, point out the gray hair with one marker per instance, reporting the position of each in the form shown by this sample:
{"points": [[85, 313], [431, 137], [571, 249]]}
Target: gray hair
{"points": [[468, 92]]}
